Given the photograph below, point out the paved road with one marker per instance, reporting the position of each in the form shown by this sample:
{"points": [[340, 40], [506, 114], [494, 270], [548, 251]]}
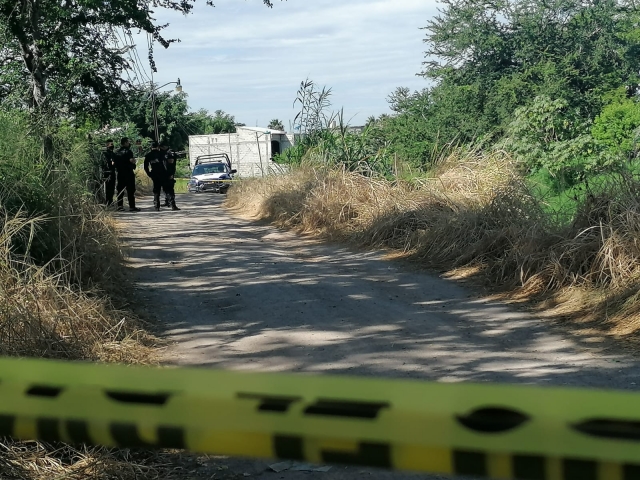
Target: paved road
{"points": [[231, 293]]}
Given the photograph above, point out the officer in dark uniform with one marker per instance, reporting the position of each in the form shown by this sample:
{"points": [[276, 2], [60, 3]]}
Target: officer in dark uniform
{"points": [[170, 159], [109, 173], [155, 169], [126, 166]]}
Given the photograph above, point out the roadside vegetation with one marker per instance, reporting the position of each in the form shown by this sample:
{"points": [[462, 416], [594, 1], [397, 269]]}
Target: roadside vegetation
{"points": [[61, 267], [61, 260], [71, 78], [65, 291], [517, 167]]}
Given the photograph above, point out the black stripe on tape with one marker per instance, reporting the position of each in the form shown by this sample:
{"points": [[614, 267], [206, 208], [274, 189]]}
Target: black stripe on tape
{"points": [[469, 463], [78, 431], [493, 420], [288, 447], [631, 472], [7, 423], [171, 437], [155, 399], [608, 428], [527, 467], [270, 403], [368, 454], [341, 408], [126, 435], [44, 391], [579, 469], [48, 429]]}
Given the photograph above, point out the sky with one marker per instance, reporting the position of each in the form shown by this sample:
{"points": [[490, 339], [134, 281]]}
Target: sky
{"points": [[249, 60]]}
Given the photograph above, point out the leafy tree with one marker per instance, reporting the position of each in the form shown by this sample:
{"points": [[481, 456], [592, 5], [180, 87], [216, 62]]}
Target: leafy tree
{"points": [[203, 123], [537, 72], [175, 121], [411, 132], [276, 124], [221, 122], [61, 54], [503, 55], [617, 127], [548, 135], [171, 110]]}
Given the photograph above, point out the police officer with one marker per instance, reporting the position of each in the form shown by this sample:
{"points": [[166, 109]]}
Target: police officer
{"points": [[109, 173], [169, 159], [126, 166], [155, 169]]}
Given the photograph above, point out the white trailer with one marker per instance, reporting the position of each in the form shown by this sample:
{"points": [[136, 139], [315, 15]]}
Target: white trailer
{"points": [[251, 149]]}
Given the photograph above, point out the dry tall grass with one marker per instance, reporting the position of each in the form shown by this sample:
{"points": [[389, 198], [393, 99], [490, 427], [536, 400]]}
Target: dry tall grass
{"points": [[45, 312], [475, 212], [64, 291]]}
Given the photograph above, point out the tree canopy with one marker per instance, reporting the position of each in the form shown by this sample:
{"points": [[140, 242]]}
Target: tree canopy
{"points": [[488, 59], [175, 121], [67, 55], [276, 124]]}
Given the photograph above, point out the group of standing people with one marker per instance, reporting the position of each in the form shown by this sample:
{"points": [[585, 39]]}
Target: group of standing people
{"points": [[160, 166], [119, 169]]}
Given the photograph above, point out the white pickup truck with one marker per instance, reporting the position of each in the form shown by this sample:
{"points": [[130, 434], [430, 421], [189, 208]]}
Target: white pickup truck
{"points": [[211, 173]]}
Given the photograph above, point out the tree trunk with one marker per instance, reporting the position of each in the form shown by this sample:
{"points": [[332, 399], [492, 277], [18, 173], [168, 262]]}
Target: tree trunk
{"points": [[26, 31]]}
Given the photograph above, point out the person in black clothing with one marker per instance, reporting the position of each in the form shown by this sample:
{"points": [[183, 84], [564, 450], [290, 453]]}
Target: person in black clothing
{"points": [[166, 153], [155, 169], [169, 159], [126, 166], [109, 173]]}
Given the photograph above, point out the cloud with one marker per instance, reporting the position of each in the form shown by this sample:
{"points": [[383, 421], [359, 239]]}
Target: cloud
{"points": [[249, 60]]}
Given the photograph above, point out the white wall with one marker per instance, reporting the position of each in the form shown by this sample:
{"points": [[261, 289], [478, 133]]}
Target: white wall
{"points": [[250, 152]]}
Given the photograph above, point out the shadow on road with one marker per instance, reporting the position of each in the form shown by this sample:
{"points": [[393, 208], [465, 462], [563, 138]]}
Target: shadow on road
{"points": [[242, 295]]}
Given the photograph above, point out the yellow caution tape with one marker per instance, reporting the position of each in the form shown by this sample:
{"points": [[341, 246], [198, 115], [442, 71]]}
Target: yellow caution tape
{"points": [[496, 431]]}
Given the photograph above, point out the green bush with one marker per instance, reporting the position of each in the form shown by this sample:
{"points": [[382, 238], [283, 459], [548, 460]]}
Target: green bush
{"points": [[547, 135], [59, 188], [183, 169], [293, 155], [363, 151], [616, 128]]}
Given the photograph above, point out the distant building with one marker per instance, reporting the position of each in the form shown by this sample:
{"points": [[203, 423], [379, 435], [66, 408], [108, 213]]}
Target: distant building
{"points": [[251, 149]]}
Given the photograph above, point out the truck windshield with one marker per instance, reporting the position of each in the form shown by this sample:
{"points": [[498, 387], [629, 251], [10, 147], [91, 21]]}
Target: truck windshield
{"points": [[206, 168]]}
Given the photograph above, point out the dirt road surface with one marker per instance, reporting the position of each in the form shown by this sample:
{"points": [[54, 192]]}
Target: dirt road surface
{"points": [[235, 294]]}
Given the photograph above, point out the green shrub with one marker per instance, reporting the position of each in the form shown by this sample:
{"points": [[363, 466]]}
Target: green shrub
{"points": [[616, 128], [59, 190], [183, 169]]}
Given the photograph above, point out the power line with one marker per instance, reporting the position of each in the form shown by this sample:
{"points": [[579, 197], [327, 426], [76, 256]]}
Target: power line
{"points": [[135, 66], [153, 91], [121, 43], [135, 58]]}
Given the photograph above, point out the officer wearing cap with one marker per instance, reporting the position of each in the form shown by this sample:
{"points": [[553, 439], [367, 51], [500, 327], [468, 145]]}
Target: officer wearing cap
{"points": [[155, 169], [169, 158]]}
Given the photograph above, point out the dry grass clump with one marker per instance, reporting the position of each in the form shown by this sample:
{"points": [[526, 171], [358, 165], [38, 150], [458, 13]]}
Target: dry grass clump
{"points": [[475, 212], [46, 312], [38, 461], [144, 185]]}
